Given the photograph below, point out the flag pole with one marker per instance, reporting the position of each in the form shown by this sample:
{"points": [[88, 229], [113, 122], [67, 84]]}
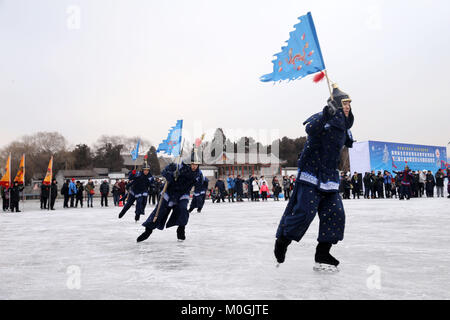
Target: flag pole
{"points": [[50, 187], [23, 193], [329, 85], [9, 180]]}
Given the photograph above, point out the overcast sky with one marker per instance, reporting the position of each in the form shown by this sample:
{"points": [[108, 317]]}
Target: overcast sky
{"points": [[133, 67]]}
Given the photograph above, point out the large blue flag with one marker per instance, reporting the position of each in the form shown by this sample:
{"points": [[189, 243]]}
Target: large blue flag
{"points": [[302, 55], [135, 152], [172, 145]]}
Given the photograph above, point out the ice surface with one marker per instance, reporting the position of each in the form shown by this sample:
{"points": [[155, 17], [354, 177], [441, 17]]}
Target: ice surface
{"points": [[392, 250]]}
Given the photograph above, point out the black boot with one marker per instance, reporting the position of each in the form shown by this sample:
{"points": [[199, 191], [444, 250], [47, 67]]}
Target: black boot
{"points": [[145, 235], [191, 209], [281, 245], [180, 233], [323, 254]]}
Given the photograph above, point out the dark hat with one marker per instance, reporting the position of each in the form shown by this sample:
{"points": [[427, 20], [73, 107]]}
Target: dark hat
{"points": [[339, 96]]}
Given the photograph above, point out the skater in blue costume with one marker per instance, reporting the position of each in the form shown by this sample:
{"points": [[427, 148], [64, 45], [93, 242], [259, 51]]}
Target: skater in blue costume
{"points": [[316, 189], [198, 199], [180, 178], [139, 183]]}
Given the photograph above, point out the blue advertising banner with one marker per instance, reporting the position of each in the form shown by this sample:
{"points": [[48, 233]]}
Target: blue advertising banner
{"points": [[394, 156]]}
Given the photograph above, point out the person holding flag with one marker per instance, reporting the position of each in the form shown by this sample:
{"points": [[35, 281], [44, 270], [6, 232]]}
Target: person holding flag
{"points": [[48, 181], [14, 192], [180, 178], [316, 188]]}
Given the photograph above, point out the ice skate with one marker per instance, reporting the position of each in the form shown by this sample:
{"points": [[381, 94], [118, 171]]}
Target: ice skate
{"points": [[145, 235], [181, 236], [281, 245], [326, 268], [325, 262]]}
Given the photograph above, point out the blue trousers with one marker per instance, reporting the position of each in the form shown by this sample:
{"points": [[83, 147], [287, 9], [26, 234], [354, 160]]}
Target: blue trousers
{"points": [[179, 217], [306, 201], [197, 202], [130, 201], [141, 203]]}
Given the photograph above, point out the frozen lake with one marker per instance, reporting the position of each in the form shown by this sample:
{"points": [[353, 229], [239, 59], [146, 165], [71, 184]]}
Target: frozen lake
{"points": [[392, 250]]}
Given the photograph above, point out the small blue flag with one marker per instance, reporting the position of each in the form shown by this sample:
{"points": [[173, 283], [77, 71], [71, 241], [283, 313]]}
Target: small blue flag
{"points": [[135, 152], [301, 57], [172, 145]]}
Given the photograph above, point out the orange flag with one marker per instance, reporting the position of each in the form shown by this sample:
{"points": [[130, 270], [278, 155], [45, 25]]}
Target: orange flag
{"points": [[6, 179], [48, 177], [20, 177]]}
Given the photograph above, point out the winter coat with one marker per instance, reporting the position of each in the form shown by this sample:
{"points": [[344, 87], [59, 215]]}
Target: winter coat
{"points": [[387, 179], [276, 187], [422, 177], [220, 185], [72, 188], [319, 160], [122, 185], [286, 184], [264, 188], [80, 190], [181, 188], [54, 191], [439, 179], [239, 185], [45, 190], [115, 189], [430, 180], [255, 186], [230, 183], [356, 184], [140, 183], [15, 193], [250, 184], [104, 188], [65, 189], [89, 186]]}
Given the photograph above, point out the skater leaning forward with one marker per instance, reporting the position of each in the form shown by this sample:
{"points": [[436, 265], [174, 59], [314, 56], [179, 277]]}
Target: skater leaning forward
{"points": [[180, 178], [139, 183], [316, 189]]}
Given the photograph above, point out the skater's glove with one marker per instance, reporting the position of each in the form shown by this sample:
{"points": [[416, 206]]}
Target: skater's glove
{"points": [[330, 109]]}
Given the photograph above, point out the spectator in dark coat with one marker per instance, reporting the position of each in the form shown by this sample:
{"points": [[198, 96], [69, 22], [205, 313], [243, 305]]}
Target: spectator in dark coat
{"points": [[45, 189], [276, 189], [15, 190], [65, 193], [286, 188], [366, 182], [356, 183], [79, 196], [429, 184], [239, 186], [5, 198], [249, 183], [53, 194], [220, 185], [104, 191], [380, 185], [440, 183]]}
